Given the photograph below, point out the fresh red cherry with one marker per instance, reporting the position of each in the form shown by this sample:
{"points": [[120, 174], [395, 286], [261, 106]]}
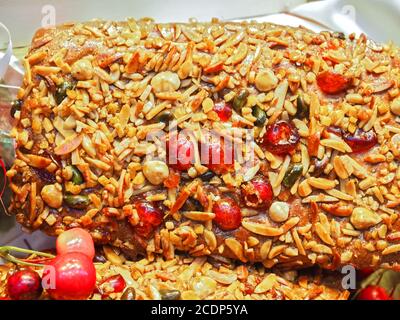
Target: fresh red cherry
{"points": [[332, 83], [365, 272], [113, 284], [258, 193], [180, 153], [227, 214], [223, 110], [218, 156], [149, 218], [75, 240], [373, 293], [24, 285], [281, 138], [70, 276], [360, 141]]}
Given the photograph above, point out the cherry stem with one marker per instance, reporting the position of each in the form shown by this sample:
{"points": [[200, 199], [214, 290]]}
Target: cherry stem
{"points": [[5, 253]]}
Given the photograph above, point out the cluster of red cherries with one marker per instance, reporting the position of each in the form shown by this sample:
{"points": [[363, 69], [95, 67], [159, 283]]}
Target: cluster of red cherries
{"points": [[71, 275]]}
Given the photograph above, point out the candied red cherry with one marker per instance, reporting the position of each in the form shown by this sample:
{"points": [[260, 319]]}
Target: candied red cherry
{"points": [[24, 285], [218, 156], [281, 138], [258, 193], [360, 141], [149, 218], [223, 110], [335, 130], [332, 82], [180, 153], [365, 272], [113, 284], [75, 240], [227, 214], [70, 276], [373, 293]]}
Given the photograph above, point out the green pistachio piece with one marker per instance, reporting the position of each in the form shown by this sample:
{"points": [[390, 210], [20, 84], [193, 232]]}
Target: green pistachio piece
{"points": [[240, 101], [61, 91], [260, 115], [302, 108], [292, 174], [170, 294], [129, 294], [165, 117], [77, 201], [77, 177]]}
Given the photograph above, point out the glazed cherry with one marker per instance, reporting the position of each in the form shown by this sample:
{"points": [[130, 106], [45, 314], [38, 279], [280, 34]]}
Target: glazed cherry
{"points": [[218, 156], [223, 110], [149, 218], [332, 83], [180, 153], [113, 284], [24, 285], [281, 138], [227, 214], [335, 130], [373, 293], [258, 193], [70, 276], [75, 240], [361, 140]]}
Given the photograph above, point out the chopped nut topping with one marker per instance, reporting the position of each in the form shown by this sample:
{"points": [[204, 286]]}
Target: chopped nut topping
{"points": [[103, 102]]}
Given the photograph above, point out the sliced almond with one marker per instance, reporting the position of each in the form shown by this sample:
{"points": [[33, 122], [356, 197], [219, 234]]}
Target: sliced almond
{"points": [[277, 250], [236, 248], [367, 183], [323, 233], [340, 195], [224, 278], [304, 189], [199, 215], [36, 161], [262, 229], [339, 168], [290, 224], [68, 145], [320, 248], [321, 183], [320, 198], [391, 249], [266, 284], [265, 248], [337, 144], [210, 239], [112, 256]]}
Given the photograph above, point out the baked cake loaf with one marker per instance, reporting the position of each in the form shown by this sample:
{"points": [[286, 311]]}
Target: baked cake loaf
{"points": [[251, 141]]}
